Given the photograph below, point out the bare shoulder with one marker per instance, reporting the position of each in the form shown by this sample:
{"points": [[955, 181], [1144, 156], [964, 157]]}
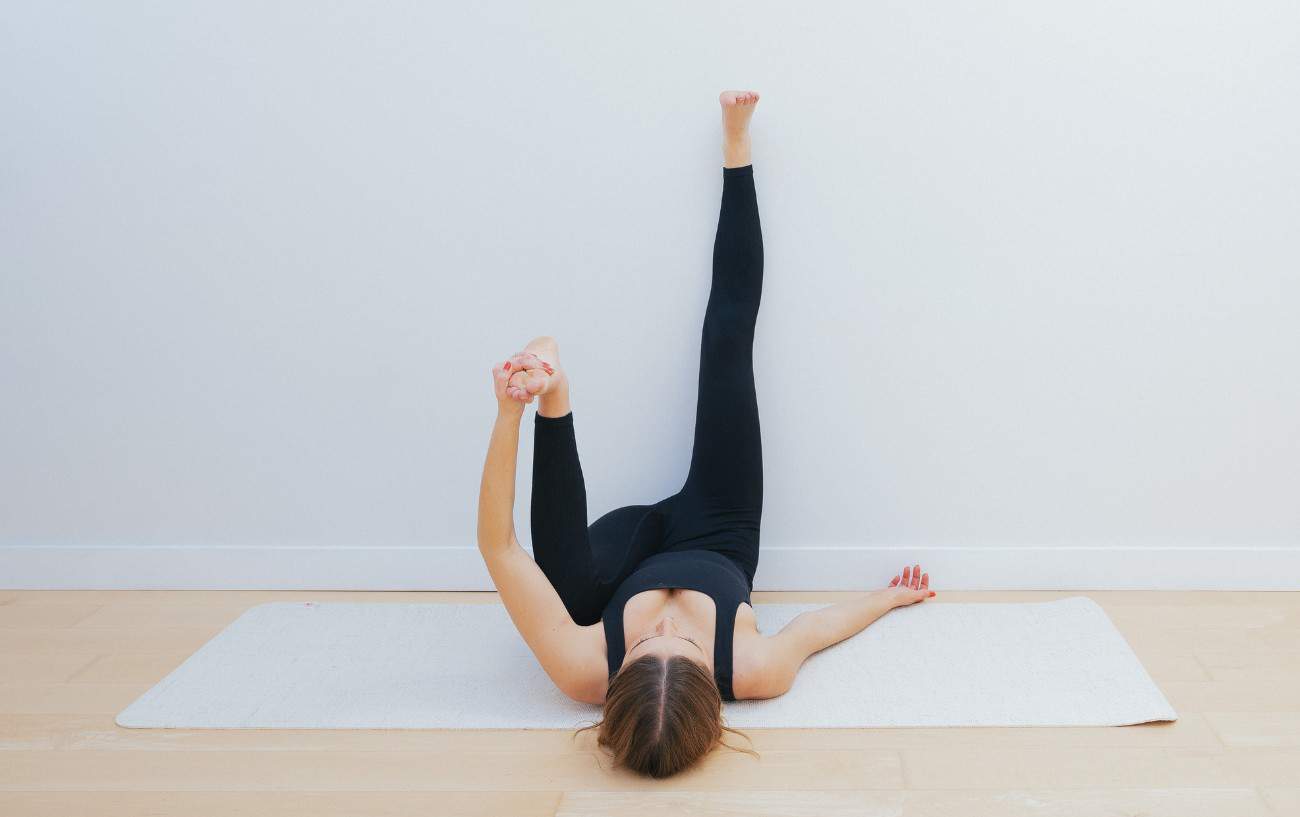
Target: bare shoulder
{"points": [[750, 655], [763, 666]]}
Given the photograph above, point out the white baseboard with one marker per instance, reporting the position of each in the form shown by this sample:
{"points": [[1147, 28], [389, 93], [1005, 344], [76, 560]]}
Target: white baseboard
{"points": [[781, 568]]}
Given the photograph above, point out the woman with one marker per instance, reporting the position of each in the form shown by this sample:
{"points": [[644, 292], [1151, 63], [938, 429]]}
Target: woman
{"points": [[647, 610]]}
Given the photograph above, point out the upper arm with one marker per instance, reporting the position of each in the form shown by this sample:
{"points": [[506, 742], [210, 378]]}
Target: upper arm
{"points": [[572, 655], [767, 666]]}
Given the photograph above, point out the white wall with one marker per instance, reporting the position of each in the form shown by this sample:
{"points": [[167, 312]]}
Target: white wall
{"points": [[1031, 281]]}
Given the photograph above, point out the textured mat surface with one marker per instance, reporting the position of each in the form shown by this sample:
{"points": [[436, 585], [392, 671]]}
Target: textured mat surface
{"points": [[309, 665]]}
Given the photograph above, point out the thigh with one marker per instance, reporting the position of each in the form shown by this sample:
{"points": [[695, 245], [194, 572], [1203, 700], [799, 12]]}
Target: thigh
{"points": [[622, 539], [694, 521], [586, 574]]}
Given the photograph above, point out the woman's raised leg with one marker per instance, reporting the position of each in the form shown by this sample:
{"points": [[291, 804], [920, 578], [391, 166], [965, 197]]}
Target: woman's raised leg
{"points": [[722, 498]]}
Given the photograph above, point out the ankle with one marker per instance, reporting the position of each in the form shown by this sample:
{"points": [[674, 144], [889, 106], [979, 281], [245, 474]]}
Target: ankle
{"points": [[555, 402], [736, 155]]}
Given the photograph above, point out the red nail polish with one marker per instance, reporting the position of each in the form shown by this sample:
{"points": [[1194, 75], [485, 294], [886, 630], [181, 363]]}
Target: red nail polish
{"points": [[507, 364]]}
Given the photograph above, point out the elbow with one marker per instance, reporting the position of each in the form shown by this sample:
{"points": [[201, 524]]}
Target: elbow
{"points": [[584, 692], [493, 542]]}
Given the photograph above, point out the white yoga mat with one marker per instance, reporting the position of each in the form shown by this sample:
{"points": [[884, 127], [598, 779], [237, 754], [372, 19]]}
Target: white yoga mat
{"points": [[309, 665]]}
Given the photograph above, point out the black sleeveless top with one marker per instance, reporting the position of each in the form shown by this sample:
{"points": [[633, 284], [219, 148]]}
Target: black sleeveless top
{"points": [[710, 573]]}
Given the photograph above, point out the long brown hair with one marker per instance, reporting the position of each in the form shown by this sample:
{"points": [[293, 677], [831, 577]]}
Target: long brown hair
{"points": [[662, 715]]}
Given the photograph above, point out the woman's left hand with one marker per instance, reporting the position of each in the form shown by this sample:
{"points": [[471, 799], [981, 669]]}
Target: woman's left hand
{"points": [[910, 586]]}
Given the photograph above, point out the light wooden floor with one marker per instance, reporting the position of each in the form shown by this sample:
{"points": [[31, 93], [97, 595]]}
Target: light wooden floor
{"points": [[1229, 662]]}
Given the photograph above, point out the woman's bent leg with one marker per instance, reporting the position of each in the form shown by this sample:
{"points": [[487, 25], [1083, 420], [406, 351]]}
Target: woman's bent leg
{"points": [[584, 564], [559, 513]]}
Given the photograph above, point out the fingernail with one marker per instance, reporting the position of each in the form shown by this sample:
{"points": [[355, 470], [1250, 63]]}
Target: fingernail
{"points": [[507, 364]]}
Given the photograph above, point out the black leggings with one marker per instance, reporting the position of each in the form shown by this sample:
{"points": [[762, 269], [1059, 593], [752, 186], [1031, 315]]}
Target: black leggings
{"points": [[720, 505]]}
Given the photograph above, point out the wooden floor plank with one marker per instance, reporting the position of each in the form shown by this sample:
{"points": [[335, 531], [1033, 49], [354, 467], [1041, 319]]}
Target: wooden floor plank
{"points": [[974, 767], [124, 614], [278, 804], [763, 803], [1284, 800], [433, 771], [1233, 696], [44, 615], [1146, 802], [143, 669], [1240, 802], [1257, 728], [1248, 664], [1145, 639], [25, 698], [1166, 667], [43, 640], [244, 598], [48, 667], [1174, 616]]}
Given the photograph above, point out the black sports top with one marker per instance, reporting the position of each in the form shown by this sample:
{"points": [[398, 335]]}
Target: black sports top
{"points": [[710, 573]]}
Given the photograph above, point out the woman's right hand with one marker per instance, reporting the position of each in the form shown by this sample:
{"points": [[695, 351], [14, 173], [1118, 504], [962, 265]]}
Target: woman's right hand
{"points": [[507, 403], [520, 379]]}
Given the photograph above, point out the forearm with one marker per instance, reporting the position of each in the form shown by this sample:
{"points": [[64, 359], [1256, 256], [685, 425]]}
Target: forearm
{"points": [[819, 629], [496, 496]]}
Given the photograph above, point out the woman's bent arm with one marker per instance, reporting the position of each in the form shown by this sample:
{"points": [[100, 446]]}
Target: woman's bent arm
{"points": [[572, 656]]}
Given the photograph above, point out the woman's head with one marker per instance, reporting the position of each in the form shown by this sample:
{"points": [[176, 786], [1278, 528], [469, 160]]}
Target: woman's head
{"points": [[662, 713]]}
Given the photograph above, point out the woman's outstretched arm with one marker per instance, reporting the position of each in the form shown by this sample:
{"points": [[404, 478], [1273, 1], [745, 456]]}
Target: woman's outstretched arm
{"points": [[496, 493], [778, 658], [573, 656]]}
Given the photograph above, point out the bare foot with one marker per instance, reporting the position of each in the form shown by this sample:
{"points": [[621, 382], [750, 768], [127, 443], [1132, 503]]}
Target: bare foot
{"points": [[737, 108]]}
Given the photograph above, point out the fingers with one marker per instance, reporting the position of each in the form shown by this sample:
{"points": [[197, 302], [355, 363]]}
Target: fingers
{"points": [[520, 377], [914, 579], [524, 378], [501, 376], [529, 383], [529, 360], [513, 383], [924, 586], [518, 389]]}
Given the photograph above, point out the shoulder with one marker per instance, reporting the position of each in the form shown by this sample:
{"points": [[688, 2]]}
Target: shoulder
{"points": [[750, 655], [762, 666]]}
